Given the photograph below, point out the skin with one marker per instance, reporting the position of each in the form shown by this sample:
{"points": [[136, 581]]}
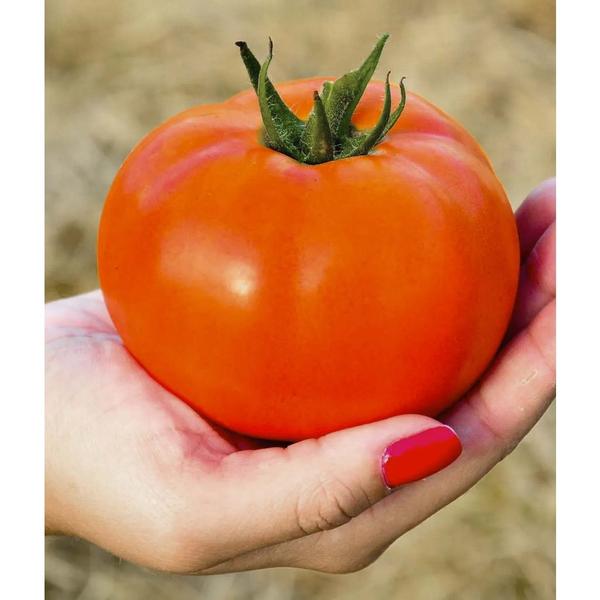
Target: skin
{"points": [[285, 301], [133, 469]]}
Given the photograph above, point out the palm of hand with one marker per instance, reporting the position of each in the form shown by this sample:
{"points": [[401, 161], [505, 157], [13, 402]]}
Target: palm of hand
{"points": [[142, 431], [134, 469]]}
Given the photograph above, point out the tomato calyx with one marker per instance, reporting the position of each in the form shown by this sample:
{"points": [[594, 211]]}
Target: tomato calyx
{"points": [[328, 133]]}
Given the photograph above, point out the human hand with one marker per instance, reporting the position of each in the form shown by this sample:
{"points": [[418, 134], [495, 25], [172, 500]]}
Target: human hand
{"points": [[133, 469]]}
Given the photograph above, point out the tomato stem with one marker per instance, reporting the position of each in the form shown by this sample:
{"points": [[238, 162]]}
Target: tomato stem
{"points": [[328, 133]]}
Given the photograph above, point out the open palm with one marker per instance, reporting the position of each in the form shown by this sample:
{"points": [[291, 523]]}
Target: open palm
{"points": [[132, 468]]}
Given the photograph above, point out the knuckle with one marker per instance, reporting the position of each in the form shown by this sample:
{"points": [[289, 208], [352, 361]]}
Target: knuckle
{"points": [[504, 442], [328, 504]]}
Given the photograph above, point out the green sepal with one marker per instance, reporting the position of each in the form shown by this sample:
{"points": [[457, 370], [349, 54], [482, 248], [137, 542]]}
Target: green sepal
{"points": [[289, 120], [346, 92], [328, 133], [251, 63], [316, 141], [396, 114], [327, 85], [280, 136], [363, 142]]}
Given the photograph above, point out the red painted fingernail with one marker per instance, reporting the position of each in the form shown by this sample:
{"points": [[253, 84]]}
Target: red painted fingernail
{"points": [[419, 455]]}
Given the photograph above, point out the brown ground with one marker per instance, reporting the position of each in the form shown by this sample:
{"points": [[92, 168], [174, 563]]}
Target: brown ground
{"points": [[116, 69]]}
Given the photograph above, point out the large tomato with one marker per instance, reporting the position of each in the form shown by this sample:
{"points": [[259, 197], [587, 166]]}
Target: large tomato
{"points": [[285, 300]]}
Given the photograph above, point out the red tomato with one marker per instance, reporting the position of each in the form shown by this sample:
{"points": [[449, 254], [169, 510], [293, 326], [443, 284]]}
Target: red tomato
{"points": [[284, 300]]}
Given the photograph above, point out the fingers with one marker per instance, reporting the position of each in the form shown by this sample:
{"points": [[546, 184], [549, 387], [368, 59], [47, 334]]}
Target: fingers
{"points": [[535, 215], [490, 422], [277, 494], [514, 394], [537, 236], [537, 282]]}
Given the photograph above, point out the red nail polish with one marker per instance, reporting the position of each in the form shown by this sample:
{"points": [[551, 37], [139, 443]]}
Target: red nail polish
{"points": [[419, 455]]}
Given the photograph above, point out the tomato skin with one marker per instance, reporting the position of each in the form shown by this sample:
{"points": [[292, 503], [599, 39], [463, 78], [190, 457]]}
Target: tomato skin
{"points": [[285, 301]]}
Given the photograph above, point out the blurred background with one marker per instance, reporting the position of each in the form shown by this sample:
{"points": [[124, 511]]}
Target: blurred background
{"points": [[116, 69]]}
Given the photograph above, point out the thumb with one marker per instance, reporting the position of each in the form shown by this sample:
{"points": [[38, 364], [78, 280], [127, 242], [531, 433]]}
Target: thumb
{"points": [[319, 484]]}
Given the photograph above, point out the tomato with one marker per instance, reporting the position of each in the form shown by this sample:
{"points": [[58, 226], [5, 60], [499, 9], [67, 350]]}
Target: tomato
{"points": [[285, 300]]}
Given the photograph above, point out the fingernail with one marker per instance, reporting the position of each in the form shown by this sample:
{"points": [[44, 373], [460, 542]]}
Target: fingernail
{"points": [[420, 455]]}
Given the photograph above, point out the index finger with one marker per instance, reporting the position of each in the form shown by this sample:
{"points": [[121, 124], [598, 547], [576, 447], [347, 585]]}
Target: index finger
{"points": [[535, 215]]}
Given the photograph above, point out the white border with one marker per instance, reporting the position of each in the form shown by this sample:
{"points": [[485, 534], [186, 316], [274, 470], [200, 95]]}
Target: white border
{"points": [[578, 395], [21, 309], [21, 318]]}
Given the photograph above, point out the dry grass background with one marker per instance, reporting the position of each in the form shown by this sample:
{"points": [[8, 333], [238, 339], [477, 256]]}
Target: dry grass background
{"points": [[115, 69]]}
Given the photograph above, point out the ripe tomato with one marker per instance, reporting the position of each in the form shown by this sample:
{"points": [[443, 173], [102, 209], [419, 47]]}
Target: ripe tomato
{"points": [[285, 300]]}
